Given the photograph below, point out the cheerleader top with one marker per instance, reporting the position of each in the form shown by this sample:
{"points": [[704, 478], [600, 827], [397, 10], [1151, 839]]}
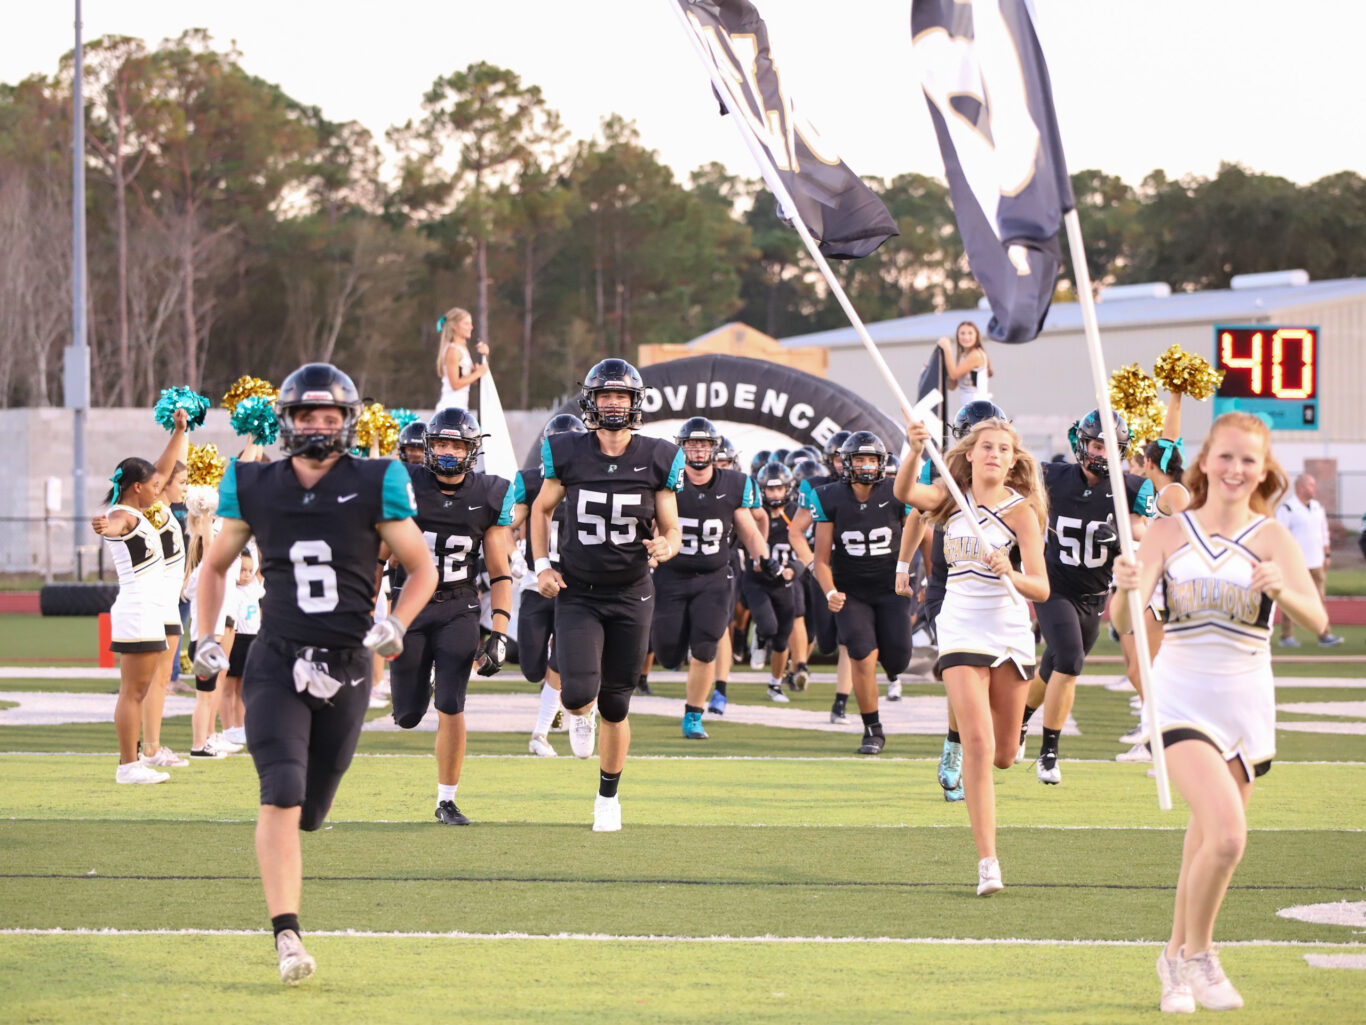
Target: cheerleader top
{"points": [[1207, 593], [970, 574], [137, 555]]}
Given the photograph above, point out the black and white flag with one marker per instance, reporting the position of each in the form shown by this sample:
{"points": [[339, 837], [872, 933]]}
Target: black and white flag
{"points": [[987, 86], [839, 211]]}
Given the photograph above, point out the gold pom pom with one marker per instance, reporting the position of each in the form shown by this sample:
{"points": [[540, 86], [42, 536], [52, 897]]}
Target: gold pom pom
{"points": [[1187, 373], [206, 466], [1131, 390], [377, 428], [244, 388], [157, 514], [1145, 424]]}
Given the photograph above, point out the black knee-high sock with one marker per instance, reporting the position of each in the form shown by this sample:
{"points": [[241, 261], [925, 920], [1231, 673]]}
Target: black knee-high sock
{"points": [[721, 687], [1050, 739], [282, 922], [607, 784]]}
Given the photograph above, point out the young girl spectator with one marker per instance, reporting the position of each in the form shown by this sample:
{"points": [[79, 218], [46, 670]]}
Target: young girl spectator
{"points": [[454, 364], [967, 365]]}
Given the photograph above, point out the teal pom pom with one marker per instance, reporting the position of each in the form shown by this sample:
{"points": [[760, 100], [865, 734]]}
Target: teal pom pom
{"points": [[361, 452], [184, 398], [404, 417], [254, 417]]}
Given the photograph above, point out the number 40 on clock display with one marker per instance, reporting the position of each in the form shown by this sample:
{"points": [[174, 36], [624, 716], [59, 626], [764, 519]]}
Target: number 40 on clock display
{"points": [[1270, 371]]}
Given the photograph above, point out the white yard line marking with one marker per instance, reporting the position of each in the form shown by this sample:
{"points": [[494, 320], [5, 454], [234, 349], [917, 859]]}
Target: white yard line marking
{"points": [[628, 938]]}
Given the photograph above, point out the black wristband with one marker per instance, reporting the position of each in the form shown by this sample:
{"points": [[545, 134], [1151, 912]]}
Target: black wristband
{"points": [[501, 612], [494, 580]]}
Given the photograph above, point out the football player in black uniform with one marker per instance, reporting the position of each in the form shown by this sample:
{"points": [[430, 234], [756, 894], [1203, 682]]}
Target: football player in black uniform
{"points": [[1081, 547], [621, 515], [800, 536], [536, 613], [411, 449], [460, 512], [767, 583], [725, 458], [864, 541], [319, 517], [693, 590]]}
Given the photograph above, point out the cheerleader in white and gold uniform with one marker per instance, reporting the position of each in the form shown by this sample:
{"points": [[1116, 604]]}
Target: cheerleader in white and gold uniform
{"points": [[1224, 565], [138, 616], [986, 646]]}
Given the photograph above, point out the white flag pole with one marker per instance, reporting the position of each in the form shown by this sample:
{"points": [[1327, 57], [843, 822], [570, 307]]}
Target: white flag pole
{"points": [[733, 101], [1101, 379]]}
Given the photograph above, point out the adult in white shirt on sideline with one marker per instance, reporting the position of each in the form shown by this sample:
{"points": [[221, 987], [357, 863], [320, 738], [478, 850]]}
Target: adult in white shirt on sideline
{"points": [[454, 364], [1303, 515]]}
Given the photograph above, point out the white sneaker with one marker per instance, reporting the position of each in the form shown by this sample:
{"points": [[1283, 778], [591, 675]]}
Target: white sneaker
{"points": [[989, 877], [1120, 684], [583, 731], [1138, 754], [541, 747], [776, 694], [1047, 769], [606, 814], [378, 700], [236, 735], [296, 964], [164, 758], [1209, 985], [1176, 995], [136, 772], [758, 656], [894, 691], [221, 743], [382, 686], [1135, 704], [1020, 754], [1137, 735]]}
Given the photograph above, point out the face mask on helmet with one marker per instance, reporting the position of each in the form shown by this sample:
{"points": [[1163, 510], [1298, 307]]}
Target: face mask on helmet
{"points": [[316, 386], [772, 476], [448, 464], [699, 439], [863, 443], [315, 442], [1089, 429]]}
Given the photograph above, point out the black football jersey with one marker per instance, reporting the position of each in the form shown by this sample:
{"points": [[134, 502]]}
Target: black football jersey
{"points": [[778, 544], [453, 521], [525, 488], [610, 503], [706, 515], [319, 547], [1081, 544], [867, 534]]}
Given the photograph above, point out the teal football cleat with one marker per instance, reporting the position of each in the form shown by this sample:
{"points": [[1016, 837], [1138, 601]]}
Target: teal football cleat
{"points": [[692, 726], [954, 795], [951, 766]]}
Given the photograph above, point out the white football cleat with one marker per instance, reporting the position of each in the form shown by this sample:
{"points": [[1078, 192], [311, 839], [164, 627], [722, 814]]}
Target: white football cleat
{"points": [[583, 731], [296, 964], [606, 814], [136, 772], [540, 746], [1139, 753], [894, 691]]}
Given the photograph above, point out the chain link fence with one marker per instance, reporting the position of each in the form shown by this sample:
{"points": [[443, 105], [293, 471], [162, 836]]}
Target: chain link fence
{"points": [[53, 548]]}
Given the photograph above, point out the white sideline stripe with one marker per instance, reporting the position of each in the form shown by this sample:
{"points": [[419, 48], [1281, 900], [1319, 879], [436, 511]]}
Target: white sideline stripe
{"points": [[655, 758], [627, 938], [709, 825], [1356, 962]]}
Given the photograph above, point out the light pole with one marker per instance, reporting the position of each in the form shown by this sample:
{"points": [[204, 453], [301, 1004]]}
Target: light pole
{"points": [[76, 368]]}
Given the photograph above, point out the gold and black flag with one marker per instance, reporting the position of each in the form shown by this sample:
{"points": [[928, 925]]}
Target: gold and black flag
{"points": [[839, 210], [988, 90]]}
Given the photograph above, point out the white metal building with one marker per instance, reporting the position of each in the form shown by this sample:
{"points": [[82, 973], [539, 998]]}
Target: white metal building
{"points": [[1046, 384]]}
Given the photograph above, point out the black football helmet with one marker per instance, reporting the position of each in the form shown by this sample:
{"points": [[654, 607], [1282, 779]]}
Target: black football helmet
{"points": [[891, 464], [832, 450], [699, 428], [974, 413], [1090, 428], [411, 438], [759, 461], [724, 451], [804, 452], [781, 455], [563, 423], [862, 443], [807, 469], [612, 375], [771, 475], [453, 425], [312, 386]]}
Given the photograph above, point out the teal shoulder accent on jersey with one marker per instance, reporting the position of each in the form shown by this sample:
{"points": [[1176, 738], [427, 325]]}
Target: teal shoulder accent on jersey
{"points": [[509, 500], [925, 472], [547, 461], [228, 504], [397, 500], [817, 510], [806, 494], [907, 509], [1145, 502], [675, 481], [751, 499], [518, 490]]}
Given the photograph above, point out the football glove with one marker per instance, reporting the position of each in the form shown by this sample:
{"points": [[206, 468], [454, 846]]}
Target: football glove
{"points": [[209, 659], [386, 639], [493, 653]]}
